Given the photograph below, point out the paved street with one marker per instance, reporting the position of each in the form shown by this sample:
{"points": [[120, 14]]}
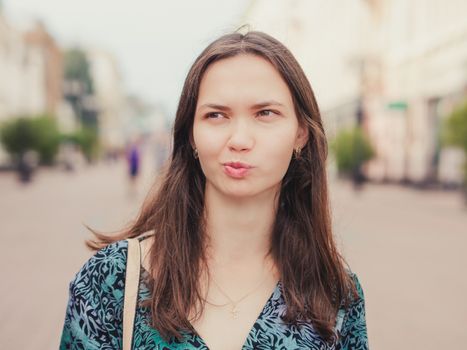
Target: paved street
{"points": [[409, 251], [407, 247]]}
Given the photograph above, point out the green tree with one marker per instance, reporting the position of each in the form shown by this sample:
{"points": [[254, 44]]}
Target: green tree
{"points": [[77, 69], [48, 140], [351, 148], [38, 133], [454, 133], [18, 136], [87, 140]]}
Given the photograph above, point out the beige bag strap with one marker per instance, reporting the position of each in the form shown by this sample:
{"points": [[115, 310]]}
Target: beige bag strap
{"points": [[132, 274]]}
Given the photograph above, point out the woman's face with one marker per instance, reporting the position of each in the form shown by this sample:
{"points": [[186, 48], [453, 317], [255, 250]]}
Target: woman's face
{"points": [[245, 127]]}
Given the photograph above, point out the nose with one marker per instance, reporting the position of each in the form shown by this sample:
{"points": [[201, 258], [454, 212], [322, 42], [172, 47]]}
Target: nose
{"points": [[241, 138]]}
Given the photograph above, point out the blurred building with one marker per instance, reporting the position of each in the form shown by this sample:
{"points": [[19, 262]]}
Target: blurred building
{"points": [[30, 71], [110, 99], [80, 88], [152, 125], [39, 38], [22, 72], [143, 118], [395, 67], [424, 73]]}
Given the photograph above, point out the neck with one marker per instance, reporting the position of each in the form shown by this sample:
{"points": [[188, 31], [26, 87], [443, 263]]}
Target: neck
{"points": [[239, 229]]}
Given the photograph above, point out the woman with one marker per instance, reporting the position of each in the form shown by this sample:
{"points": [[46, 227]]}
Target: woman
{"points": [[242, 254]]}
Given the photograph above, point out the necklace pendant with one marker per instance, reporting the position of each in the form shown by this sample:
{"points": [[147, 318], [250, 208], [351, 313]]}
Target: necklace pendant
{"points": [[234, 312]]}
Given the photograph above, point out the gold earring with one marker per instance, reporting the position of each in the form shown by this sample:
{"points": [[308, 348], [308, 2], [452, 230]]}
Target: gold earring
{"points": [[195, 153], [297, 152]]}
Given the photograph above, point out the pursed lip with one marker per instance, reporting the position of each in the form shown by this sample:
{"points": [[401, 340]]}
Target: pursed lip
{"points": [[238, 165]]}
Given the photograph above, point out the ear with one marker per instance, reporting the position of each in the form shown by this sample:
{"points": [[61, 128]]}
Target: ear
{"points": [[302, 136], [191, 139]]}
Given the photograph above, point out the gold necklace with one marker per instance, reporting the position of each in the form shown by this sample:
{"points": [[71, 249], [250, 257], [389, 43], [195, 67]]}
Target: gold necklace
{"points": [[233, 303]]}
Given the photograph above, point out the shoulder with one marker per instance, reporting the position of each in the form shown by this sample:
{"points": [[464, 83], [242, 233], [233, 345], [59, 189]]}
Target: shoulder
{"points": [[114, 252], [351, 322], [354, 293], [102, 273], [352, 319], [358, 287], [352, 288], [95, 306]]}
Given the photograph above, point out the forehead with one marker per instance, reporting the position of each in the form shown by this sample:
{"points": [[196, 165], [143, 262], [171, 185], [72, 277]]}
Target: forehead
{"points": [[243, 79]]}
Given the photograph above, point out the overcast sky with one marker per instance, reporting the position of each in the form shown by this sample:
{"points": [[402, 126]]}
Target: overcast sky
{"points": [[154, 41]]}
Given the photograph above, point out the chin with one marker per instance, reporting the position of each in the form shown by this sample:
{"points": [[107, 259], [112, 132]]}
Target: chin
{"points": [[244, 191], [235, 193], [241, 189]]}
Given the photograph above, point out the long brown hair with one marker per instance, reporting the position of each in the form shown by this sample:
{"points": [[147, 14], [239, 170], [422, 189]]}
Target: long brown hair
{"points": [[314, 279]]}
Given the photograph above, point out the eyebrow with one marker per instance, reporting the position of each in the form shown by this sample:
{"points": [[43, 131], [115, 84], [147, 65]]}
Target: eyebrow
{"points": [[255, 106]]}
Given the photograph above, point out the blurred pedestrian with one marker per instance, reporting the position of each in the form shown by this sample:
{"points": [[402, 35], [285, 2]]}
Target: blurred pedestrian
{"points": [[358, 178], [28, 162], [133, 161], [236, 244]]}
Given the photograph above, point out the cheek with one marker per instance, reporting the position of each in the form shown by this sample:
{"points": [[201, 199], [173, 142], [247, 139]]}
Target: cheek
{"points": [[209, 145], [203, 137], [277, 153]]}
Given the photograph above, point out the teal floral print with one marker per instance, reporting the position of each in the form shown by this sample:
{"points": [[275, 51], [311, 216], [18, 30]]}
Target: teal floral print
{"points": [[94, 314]]}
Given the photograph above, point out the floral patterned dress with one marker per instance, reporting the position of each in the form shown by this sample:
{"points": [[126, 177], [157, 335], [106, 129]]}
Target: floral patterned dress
{"points": [[94, 315]]}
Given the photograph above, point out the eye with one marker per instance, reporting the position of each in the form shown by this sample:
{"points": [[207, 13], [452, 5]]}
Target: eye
{"points": [[267, 113], [214, 115]]}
